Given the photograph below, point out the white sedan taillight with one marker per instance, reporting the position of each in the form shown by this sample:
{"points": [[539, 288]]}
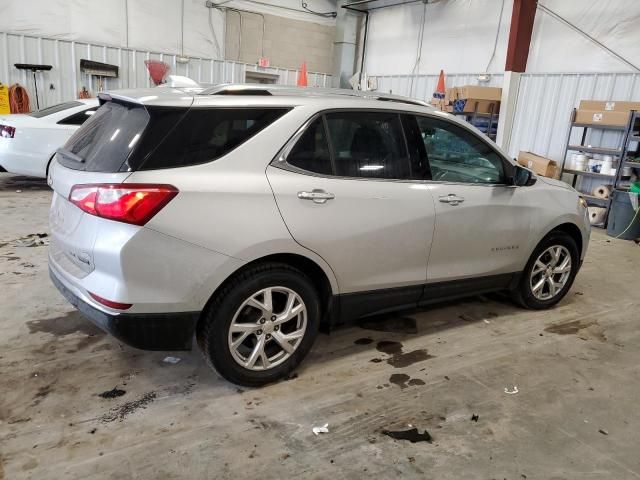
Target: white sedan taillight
{"points": [[7, 132], [128, 203]]}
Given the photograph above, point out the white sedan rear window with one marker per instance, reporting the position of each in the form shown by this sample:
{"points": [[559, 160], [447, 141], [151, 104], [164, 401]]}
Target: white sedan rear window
{"points": [[55, 109]]}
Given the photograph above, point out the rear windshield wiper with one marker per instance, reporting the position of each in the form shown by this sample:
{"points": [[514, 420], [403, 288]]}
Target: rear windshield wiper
{"points": [[70, 155]]}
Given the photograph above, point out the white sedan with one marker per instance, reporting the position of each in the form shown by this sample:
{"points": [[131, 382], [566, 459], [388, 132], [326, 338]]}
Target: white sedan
{"points": [[29, 141]]}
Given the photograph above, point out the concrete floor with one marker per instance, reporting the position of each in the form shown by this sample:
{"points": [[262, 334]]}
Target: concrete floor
{"points": [[577, 370]]}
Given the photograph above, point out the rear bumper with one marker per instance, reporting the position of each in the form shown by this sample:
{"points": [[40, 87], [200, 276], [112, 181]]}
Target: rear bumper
{"points": [[146, 331]]}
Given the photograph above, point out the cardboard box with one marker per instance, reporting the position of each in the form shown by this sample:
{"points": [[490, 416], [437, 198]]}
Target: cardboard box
{"points": [[483, 106], [602, 117], [479, 93], [450, 95], [540, 165], [609, 105], [439, 104]]}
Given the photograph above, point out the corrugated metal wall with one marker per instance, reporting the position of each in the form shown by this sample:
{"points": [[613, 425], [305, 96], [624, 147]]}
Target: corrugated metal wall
{"points": [[545, 102], [67, 80], [422, 86]]}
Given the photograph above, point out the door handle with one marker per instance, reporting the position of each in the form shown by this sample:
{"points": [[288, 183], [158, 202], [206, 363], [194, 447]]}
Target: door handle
{"points": [[451, 199], [317, 195]]}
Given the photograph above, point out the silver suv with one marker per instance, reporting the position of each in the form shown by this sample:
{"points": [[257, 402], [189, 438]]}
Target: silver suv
{"points": [[248, 216]]}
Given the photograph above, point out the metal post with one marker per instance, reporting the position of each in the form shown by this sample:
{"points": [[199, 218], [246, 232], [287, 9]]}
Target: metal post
{"points": [[35, 85]]}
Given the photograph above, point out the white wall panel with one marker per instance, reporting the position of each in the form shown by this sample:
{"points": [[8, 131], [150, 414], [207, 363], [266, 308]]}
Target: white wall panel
{"points": [[459, 36], [152, 24], [555, 47], [143, 24], [67, 80]]}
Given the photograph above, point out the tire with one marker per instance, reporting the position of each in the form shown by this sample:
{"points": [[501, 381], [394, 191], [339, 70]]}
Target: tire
{"points": [[233, 306], [524, 293]]}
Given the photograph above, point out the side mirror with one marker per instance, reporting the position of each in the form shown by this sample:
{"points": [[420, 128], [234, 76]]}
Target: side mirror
{"points": [[523, 177]]}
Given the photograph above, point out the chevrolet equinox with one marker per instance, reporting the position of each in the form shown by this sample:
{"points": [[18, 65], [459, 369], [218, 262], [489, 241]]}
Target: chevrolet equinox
{"points": [[248, 216]]}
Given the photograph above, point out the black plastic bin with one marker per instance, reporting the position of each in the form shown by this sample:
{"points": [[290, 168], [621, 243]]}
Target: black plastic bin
{"points": [[621, 216]]}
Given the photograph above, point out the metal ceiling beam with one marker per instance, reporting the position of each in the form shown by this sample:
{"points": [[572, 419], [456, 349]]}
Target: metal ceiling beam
{"points": [[364, 6], [524, 12]]}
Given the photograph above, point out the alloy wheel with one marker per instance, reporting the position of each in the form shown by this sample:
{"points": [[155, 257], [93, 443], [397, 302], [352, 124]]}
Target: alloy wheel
{"points": [[267, 328], [550, 272]]}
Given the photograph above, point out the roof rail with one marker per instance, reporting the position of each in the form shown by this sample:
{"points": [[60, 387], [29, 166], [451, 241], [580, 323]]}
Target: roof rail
{"points": [[254, 89], [236, 89], [401, 99]]}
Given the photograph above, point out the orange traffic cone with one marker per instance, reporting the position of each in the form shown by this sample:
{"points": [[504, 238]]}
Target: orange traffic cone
{"points": [[302, 76], [440, 91]]}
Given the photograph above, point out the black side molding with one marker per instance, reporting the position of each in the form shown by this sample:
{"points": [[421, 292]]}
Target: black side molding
{"points": [[443, 291], [351, 306]]}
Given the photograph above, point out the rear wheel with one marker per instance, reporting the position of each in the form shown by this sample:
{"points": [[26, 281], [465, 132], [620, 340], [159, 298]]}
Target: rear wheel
{"points": [[261, 325], [549, 273]]}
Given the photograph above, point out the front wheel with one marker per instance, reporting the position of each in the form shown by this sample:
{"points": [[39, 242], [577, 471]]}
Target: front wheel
{"points": [[549, 273], [261, 325]]}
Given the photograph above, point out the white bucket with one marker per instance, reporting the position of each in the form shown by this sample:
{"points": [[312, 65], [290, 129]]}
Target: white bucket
{"points": [[580, 162]]}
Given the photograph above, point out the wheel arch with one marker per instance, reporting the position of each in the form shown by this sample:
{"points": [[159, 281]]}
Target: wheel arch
{"points": [[318, 276], [573, 231], [524, 298], [46, 170]]}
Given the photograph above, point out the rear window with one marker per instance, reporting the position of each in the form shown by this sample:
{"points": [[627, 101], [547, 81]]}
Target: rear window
{"points": [[105, 141], [55, 109], [78, 118], [122, 136]]}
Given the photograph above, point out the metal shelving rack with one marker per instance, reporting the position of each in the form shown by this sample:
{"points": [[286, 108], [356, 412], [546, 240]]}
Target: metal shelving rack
{"points": [[621, 153], [633, 161], [492, 115]]}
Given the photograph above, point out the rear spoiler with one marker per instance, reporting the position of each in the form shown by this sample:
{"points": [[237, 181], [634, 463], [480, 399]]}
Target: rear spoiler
{"points": [[162, 96], [107, 97]]}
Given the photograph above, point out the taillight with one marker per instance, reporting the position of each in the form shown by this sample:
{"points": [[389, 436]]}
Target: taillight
{"points": [[110, 303], [7, 132], [123, 202]]}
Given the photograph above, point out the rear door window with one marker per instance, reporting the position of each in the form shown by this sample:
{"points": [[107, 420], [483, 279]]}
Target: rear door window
{"points": [[368, 144], [205, 134]]}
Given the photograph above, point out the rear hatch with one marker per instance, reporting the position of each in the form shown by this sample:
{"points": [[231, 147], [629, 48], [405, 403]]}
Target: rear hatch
{"points": [[98, 153], [125, 136]]}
